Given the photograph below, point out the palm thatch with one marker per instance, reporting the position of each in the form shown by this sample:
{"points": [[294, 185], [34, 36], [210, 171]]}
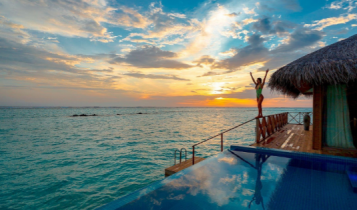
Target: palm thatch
{"points": [[334, 64]]}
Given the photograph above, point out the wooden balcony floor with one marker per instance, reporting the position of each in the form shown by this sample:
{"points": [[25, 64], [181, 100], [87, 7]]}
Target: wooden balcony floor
{"points": [[294, 137]]}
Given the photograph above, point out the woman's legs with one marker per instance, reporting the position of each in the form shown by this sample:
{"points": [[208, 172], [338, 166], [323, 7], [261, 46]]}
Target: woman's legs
{"points": [[260, 101], [258, 108]]}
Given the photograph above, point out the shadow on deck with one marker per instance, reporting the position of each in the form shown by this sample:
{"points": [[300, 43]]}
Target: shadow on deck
{"points": [[294, 138]]}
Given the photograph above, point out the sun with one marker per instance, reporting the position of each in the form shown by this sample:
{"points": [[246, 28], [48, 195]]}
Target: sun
{"points": [[217, 87]]}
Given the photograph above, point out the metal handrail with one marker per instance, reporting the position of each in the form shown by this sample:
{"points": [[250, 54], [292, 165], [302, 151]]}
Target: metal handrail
{"points": [[181, 154], [176, 150], [220, 134], [180, 151], [299, 114]]}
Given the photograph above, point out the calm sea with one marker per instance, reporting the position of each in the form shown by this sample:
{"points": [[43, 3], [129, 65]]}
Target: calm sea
{"points": [[50, 160]]}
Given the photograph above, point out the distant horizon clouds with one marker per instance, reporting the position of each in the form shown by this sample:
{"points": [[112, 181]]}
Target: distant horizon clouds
{"points": [[159, 53]]}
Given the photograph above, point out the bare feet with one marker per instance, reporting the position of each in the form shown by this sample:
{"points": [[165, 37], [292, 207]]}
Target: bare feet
{"points": [[259, 116]]}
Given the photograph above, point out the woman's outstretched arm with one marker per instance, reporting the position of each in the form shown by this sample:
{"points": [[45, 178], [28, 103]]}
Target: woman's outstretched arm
{"points": [[251, 75], [265, 77]]}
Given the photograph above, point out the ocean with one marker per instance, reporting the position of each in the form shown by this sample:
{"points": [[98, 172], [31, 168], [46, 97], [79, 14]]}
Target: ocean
{"points": [[51, 160]]}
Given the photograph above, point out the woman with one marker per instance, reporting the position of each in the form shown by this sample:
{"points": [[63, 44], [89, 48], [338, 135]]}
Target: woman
{"points": [[259, 87]]}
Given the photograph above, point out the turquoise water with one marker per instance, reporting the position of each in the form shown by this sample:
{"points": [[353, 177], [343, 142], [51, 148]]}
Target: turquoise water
{"points": [[50, 160]]}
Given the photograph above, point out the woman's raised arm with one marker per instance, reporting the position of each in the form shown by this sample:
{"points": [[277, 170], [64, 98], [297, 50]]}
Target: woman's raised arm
{"points": [[265, 77], [251, 75]]}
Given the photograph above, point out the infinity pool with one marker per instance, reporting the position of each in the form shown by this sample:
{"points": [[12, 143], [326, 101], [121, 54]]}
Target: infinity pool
{"points": [[252, 178]]}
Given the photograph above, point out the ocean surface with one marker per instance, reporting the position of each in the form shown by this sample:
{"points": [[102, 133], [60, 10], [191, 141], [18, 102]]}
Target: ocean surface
{"points": [[51, 160]]}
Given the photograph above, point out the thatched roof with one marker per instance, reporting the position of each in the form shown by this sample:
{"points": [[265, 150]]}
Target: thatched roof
{"points": [[333, 64]]}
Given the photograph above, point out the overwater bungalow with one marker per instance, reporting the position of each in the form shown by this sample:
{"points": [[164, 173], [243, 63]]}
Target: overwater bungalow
{"points": [[297, 160], [329, 75]]}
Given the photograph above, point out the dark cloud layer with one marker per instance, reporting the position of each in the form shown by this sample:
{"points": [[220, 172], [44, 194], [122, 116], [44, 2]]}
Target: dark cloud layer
{"points": [[252, 53], [155, 76], [25, 62], [274, 4], [300, 38], [14, 54], [150, 57], [266, 26], [298, 43], [205, 59]]}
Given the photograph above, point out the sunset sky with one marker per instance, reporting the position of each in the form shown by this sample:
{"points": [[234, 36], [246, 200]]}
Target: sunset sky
{"points": [[158, 53]]}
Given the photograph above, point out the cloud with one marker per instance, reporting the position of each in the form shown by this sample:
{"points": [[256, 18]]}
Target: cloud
{"points": [[299, 43], [13, 31], [205, 59], [211, 73], [130, 18], [233, 14], [265, 7], [276, 4], [21, 62], [229, 52], [178, 15], [248, 21], [300, 38], [265, 26], [343, 4], [155, 76], [150, 57], [256, 53], [253, 53], [70, 18], [321, 24], [338, 32], [208, 38], [291, 5], [28, 57], [164, 26], [248, 11], [236, 31]]}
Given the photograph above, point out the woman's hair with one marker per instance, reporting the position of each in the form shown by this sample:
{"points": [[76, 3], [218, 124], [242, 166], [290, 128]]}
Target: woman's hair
{"points": [[260, 82]]}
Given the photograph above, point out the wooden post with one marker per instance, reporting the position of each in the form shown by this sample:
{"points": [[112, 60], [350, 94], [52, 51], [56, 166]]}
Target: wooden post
{"points": [[278, 121], [264, 128], [274, 124], [221, 142], [257, 131], [193, 155], [317, 117], [270, 130]]}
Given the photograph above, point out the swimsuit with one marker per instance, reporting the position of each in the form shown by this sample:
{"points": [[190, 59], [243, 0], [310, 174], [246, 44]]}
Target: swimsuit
{"points": [[259, 91]]}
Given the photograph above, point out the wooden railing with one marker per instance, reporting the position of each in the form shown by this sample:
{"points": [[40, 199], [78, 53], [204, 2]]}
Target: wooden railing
{"points": [[298, 117], [267, 125]]}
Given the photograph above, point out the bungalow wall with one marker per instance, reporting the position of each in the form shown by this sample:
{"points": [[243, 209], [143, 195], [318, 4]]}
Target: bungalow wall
{"points": [[352, 104], [319, 114]]}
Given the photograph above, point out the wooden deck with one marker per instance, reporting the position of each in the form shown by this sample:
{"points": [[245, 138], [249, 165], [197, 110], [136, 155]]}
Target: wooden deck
{"points": [[180, 166], [294, 137]]}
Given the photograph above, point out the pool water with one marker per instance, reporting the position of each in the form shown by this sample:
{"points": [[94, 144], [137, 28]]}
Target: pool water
{"points": [[251, 178]]}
